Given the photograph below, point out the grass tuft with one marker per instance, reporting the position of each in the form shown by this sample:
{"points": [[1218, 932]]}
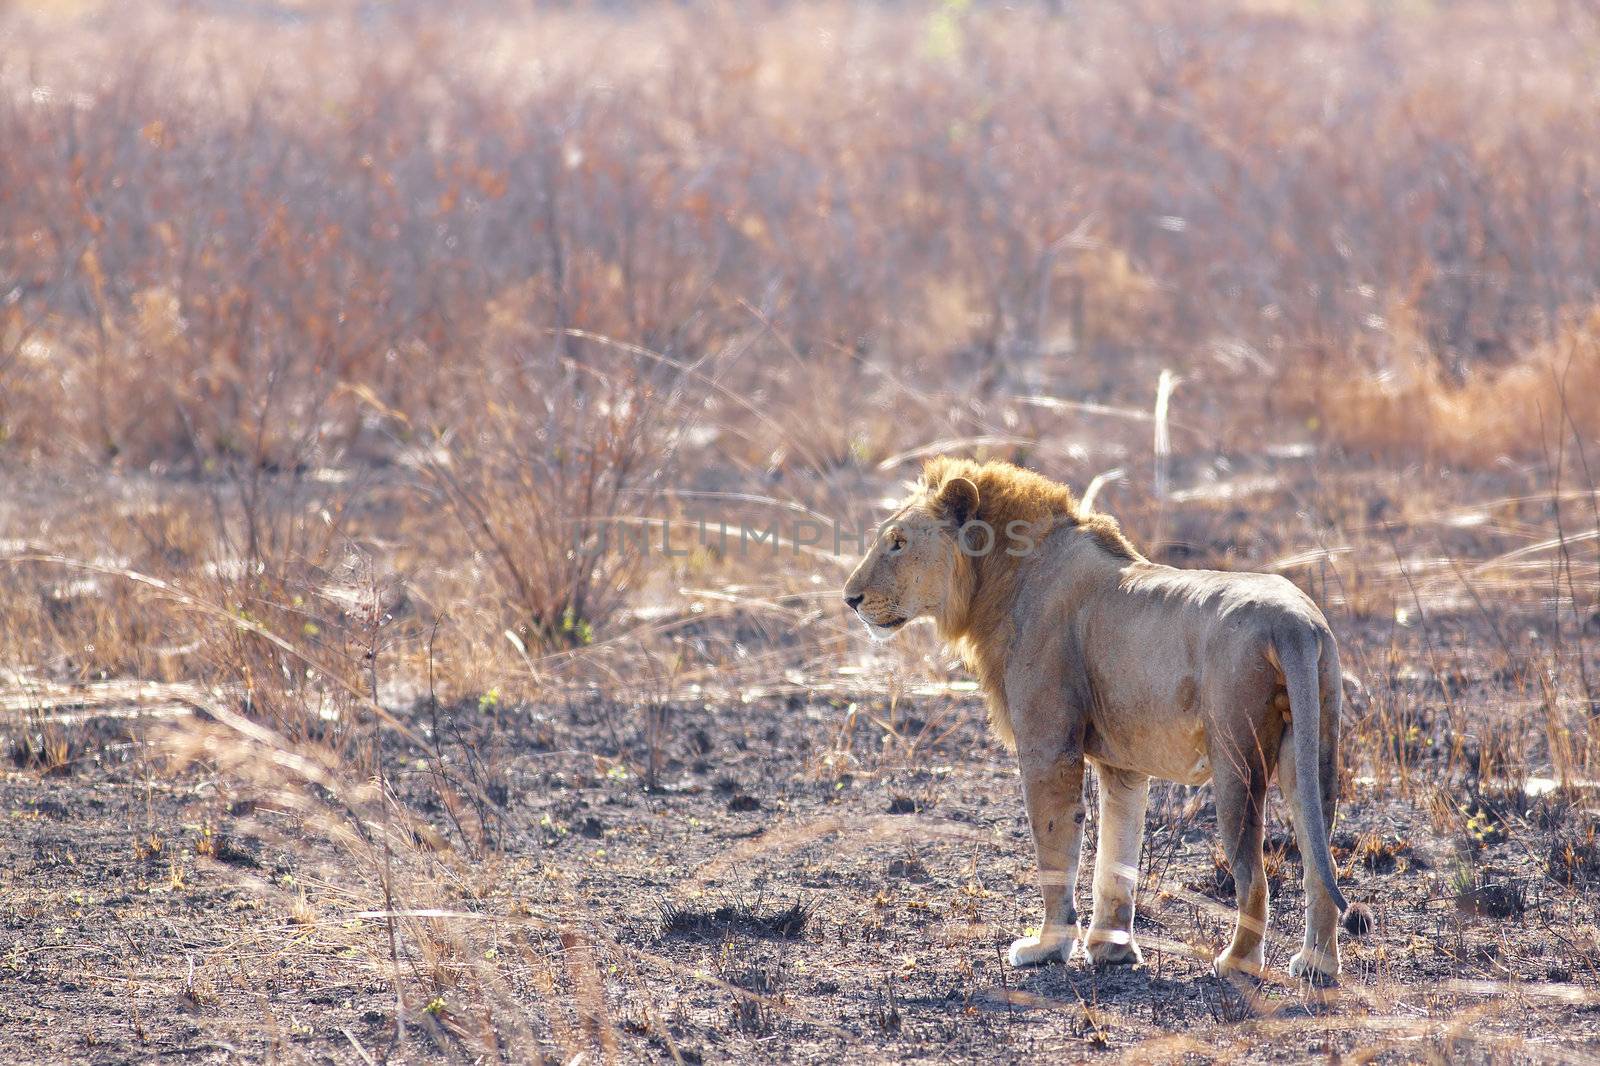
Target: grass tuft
{"points": [[735, 918]]}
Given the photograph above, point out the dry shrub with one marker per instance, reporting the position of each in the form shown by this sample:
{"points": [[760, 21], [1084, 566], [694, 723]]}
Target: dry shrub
{"points": [[291, 619], [559, 463], [68, 614], [1415, 410], [1072, 203]]}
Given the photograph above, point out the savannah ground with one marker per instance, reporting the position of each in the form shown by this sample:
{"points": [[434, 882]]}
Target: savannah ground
{"points": [[345, 352]]}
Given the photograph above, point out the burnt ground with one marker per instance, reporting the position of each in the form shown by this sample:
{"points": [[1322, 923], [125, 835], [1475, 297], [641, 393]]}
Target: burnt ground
{"points": [[795, 879]]}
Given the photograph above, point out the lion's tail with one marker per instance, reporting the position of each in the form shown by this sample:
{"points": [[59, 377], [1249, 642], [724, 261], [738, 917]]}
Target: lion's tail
{"points": [[1298, 655]]}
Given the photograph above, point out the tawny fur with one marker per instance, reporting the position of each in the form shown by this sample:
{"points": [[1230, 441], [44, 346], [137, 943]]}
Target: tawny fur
{"points": [[979, 626], [1089, 653]]}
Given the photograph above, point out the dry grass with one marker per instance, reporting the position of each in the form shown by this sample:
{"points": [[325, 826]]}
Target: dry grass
{"points": [[345, 404]]}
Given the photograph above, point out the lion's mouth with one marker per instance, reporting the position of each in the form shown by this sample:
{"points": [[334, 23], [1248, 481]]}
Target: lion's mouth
{"points": [[883, 630]]}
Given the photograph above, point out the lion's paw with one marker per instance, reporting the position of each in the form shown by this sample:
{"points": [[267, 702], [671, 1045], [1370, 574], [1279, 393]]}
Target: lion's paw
{"points": [[1038, 950], [1115, 949], [1234, 968], [1315, 966]]}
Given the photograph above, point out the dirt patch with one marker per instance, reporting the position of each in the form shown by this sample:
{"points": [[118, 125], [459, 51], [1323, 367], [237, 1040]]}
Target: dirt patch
{"points": [[157, 914]]}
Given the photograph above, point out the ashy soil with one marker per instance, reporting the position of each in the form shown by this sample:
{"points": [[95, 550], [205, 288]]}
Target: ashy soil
{"points": [[795, 879]]}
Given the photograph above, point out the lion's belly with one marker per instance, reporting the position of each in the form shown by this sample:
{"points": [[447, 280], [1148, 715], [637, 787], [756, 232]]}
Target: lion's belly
{"points": [[1172, 750]]}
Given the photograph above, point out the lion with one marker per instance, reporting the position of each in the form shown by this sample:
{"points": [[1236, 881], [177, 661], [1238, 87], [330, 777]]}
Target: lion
{"points": [[1087, 651]]}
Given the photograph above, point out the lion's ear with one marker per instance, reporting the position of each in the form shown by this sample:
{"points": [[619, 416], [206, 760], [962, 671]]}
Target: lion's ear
{"points": [[957, 500]]}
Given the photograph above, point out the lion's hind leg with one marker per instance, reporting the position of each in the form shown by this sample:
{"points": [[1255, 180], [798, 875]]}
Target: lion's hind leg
{"points": [[1241, 788], [1123, 796], [1318, 957]]}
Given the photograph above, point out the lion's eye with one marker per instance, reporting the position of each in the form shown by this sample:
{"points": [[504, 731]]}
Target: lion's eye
{"points": [[897, 542]]}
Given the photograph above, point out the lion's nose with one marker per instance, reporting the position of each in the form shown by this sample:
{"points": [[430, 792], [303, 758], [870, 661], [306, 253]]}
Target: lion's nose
{"points": [[853, 602]]}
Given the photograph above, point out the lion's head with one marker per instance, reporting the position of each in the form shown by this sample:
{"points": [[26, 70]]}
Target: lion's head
{"points": [[914, 567], [955, 548]]}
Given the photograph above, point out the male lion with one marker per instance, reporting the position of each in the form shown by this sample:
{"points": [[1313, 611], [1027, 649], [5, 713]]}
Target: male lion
{"points": [[1087, 650]]}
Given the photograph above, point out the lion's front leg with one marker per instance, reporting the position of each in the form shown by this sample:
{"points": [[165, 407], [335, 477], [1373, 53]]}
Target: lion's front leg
{"points": [[1123, 796], [1052, 788]]}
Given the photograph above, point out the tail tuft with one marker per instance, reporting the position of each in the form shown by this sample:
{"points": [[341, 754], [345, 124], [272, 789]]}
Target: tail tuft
{"points": [[1359, 919]]}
